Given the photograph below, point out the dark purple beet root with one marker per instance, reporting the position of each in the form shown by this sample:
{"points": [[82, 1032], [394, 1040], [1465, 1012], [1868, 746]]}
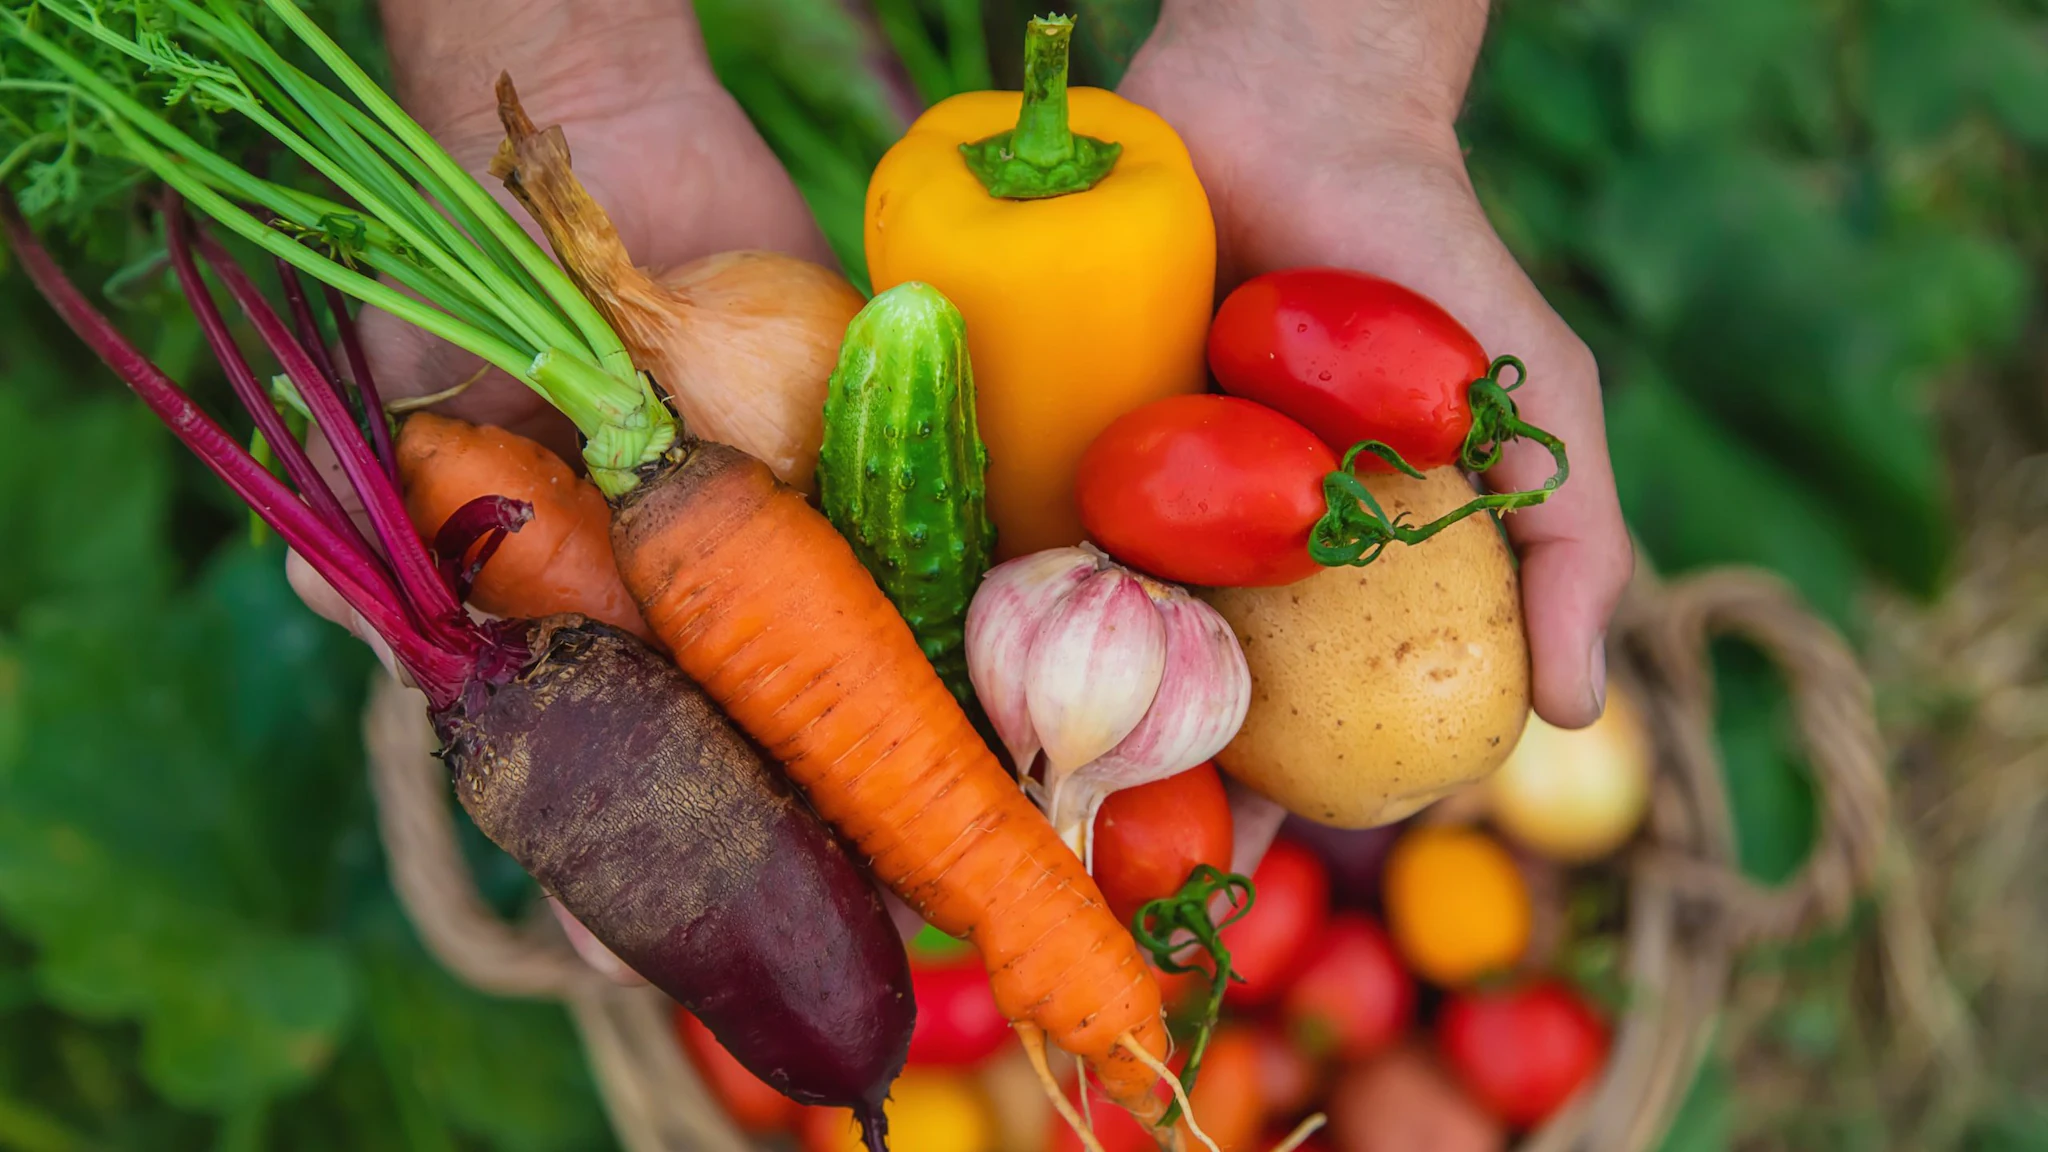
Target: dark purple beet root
{"points": [[612, 778]]}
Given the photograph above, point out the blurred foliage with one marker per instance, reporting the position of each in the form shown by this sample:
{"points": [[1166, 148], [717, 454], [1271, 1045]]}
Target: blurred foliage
{"points": [[1780, 226]]}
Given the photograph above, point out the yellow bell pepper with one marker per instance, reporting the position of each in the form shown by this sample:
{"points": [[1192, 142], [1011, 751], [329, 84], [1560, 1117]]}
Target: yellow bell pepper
{"points": [[1082, 254]]}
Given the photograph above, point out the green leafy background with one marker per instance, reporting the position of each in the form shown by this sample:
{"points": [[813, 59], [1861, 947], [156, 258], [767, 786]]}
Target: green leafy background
{"points": [[1783, 225]]}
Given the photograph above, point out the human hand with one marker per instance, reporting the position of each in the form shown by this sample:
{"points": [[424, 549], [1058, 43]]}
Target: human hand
{"points": [[657, 140], [1323, 133]]}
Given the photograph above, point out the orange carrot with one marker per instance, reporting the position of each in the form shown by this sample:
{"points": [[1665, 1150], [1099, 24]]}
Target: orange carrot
{"points": [[560, 561], [764, 604]]}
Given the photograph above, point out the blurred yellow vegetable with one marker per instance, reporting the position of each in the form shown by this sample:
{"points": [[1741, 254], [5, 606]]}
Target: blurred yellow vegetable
{"points": [[928, 1111], [1575, 796], [1456, 904]]}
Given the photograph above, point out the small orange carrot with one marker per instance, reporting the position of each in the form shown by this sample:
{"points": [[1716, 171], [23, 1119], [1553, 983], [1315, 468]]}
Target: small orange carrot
{"points": [[560, 561], [764, 604]]}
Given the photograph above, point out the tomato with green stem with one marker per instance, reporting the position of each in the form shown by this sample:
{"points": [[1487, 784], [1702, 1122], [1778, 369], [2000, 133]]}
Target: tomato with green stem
{"points": [[1359, 359], [1148, 839], [1206, 490], [1221, 492]]}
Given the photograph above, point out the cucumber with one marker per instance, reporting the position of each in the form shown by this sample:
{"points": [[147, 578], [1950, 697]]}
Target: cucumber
{"points": [[902, 472]]}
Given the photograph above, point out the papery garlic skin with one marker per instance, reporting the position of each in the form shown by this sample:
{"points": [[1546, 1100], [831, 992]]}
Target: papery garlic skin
{"points": [[1204, 693], [1095, 666], [1003, 618]]}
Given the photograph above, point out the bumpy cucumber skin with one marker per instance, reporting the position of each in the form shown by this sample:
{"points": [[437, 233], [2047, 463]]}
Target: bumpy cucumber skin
{"points": [[902, 472]]}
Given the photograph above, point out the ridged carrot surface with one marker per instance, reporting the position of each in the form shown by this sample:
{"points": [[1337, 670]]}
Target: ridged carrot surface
{"points": [[765, 605], [560, 561]]}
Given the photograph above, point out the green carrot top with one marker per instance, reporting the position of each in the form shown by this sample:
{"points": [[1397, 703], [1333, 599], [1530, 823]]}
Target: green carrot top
{"points": [[77, 81]]}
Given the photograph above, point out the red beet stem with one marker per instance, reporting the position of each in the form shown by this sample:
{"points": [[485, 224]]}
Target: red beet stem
{"points": [[302, 320], [354, 574], [366, 384], [432, 604], [297, 465], [488, 519]]}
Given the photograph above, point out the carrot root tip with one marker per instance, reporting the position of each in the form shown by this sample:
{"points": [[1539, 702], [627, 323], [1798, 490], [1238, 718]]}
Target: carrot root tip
{"points": [[1173, 1084], [1301, 1133], [1033, 1040]]}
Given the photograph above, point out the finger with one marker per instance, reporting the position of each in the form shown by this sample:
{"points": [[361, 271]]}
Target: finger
{"points": [[907, 920], [325, 602], [592, 950], [1575, 550], [1254, 824]]}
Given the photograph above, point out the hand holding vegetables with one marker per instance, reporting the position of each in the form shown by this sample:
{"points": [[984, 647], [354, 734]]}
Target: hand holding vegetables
{"points": [[1332, 144], [836, 639]]}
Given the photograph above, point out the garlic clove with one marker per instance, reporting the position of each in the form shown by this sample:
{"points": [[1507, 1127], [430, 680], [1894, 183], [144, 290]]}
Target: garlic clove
{"points": [[1014, 599], [1204, 692], [1094, 668]]}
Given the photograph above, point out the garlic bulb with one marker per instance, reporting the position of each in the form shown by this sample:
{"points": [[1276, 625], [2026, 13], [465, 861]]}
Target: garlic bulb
{"points": [[1116, 678], [1203, 695], [1002, 621]]}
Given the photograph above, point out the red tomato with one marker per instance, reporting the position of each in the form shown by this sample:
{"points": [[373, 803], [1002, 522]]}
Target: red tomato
{"points": [[753, 1105], [958, 1023], [1354, 357], [1522, 1052], [1271, 943], [1354, 998], [1288, 1077], [1207, 490], [1148, 838]]}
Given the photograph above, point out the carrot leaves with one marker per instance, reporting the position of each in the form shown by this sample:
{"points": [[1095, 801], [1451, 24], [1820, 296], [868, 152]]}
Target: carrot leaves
{"points": [[78, 78]]}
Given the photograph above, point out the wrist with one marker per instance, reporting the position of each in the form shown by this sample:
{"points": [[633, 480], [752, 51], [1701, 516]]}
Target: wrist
{"points": [[1393, 69]]}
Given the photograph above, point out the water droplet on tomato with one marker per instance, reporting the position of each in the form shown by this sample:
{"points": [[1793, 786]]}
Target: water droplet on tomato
{"points": [[1322, 375], [1301, 327]]}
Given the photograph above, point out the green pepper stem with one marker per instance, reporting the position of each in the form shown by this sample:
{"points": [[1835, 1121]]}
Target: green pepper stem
{"points": [[1354, 529], [1042, 157]]}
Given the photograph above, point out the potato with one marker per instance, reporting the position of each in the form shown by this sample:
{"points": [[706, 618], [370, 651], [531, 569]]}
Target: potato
{"points": [[1377, 690]]}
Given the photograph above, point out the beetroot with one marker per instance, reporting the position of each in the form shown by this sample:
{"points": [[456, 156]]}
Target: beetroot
{"points": [[615, 781]]}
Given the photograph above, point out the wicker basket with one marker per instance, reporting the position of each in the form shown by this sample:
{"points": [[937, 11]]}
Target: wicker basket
{"points": [[1690, 910]]}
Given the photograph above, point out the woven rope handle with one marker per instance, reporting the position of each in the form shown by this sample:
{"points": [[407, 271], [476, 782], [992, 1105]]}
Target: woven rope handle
{"points": [[1675, 625]]}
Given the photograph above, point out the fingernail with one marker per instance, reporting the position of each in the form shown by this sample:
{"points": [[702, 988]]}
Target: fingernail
{"points": [[1596, 670]]}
